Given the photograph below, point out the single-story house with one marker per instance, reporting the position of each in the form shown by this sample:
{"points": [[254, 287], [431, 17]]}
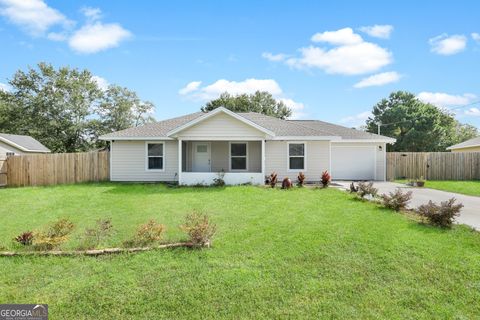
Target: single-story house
{"points": [[13, 144], [246, 147], [472, 145]]}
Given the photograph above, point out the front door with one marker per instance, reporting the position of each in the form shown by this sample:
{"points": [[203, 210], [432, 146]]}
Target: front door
{"points": [[201, 157]]}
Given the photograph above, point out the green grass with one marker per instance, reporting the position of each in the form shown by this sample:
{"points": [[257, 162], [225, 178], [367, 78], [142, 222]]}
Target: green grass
{"points": [[471, 188], [304, 253]]}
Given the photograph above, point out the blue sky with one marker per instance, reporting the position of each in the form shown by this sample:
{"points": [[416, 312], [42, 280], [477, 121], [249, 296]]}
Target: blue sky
{"points": [[331, 61]]}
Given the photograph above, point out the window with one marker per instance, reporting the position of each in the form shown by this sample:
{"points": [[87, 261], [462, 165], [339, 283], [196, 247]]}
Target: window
{"points": [[296, 156], [238, 156], [155, 156]]}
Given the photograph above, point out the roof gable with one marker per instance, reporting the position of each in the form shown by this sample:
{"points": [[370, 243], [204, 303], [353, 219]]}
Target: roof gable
{"points": [[23, 143], [475, 142], [215, 112]]}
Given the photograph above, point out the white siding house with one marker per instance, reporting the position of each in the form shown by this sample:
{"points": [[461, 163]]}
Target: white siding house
{"points": [[243, 148]]}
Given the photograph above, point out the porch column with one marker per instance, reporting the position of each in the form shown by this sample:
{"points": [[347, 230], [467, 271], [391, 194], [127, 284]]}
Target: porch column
{"points": [[180, 161], [263, 158]]}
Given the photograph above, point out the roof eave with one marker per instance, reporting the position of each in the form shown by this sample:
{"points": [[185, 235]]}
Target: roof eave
{"points": [[13, 144]]}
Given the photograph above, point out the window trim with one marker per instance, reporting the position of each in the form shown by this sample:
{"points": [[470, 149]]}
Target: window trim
{"points": [[147, 157], [304, 156], [230, 155]]}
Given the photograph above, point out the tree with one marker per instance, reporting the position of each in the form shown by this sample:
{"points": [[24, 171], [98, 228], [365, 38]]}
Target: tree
{"points": [[260, 101], [416, 125], [65, 109]]}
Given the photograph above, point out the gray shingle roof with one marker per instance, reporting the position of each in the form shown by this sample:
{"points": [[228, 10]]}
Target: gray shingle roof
{"points": [[469, 143], [287, 128], [26, 142], [336, 130]]}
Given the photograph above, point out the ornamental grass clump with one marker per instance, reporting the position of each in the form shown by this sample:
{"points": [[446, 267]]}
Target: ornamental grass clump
{"points": [[24, 238], [55, 235], [397, 200], [146, 235], [442, 215], [93, 237], [199, 228]]}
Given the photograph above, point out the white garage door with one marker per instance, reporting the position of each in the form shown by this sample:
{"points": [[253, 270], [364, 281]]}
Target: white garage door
{"points": [[353, 163]]}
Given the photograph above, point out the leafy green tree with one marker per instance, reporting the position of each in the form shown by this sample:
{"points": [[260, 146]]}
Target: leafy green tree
{"points": [[65, 109], [260, 101], [416, 125]]}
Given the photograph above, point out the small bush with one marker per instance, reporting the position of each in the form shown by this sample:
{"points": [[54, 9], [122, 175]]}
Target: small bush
{"points": [[147, 234], [272, 180], [397, 200], [301, 179], [218, 181], [24, 238], [287, 183], [199, 228], [442, 215], [325, 179], [353, 189], [367, 189], [54, 236], [93, 237]]}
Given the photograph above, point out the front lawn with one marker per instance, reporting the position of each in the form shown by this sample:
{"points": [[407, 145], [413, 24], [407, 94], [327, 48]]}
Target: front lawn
{"points": [[471, 188], [304, 253]]}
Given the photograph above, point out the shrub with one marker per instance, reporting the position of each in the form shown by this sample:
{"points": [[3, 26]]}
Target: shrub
{"points": [[199, 228], [301, 179], [93, 237], [397, 200], [147, 234], [55, 235], [367, 189], [273, 179], [442, 215], [25, 238], [325, 179], [218, 181], [353, 189], [287, 183]]}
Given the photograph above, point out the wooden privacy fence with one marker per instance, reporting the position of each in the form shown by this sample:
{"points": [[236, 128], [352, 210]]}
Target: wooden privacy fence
{"points": [[57, 168], [433, 165], [3, 172]]}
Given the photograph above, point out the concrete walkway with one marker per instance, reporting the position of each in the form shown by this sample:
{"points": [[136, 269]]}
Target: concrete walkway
{"points": [[470, 214]]}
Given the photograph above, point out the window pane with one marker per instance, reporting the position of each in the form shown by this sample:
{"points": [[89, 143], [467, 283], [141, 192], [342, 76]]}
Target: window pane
{"points": [[202, 148], [155, 149], [155, 163], [297, 163], [296, 149], [238, 149], [239, 163]]}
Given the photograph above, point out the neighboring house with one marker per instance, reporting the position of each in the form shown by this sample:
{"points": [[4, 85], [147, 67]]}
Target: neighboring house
{"points": [[472, 145], [196, 147], [12, 144]]}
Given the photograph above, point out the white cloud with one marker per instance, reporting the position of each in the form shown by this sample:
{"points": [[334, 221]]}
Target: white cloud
{"points": [[356, 120], [34, 16], [192, 86], [5, 87], [101, 82], [379, 79], [448, 45], [474, 112], [441, 99], [195, 91], [378, 31], [274, 57], [353, 59], [476, 36], [95, 37], [91, 13], [344, 36]]}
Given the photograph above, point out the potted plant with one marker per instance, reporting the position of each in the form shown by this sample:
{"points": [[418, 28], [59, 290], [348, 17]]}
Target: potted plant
{"points": [[420, 182]]}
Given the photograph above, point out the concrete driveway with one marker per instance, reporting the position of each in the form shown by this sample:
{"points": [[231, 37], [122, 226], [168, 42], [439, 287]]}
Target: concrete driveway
{"points": [[470, 214]]}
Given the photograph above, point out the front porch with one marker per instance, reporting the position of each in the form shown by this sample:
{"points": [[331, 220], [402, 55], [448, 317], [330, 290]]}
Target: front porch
{"points": [[238, 162]]}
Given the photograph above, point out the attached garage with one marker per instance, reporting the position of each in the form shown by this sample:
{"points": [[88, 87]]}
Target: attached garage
{"points": [[354, 162]]}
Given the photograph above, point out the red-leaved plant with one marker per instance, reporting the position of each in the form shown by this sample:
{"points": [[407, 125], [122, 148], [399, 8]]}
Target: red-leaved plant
{"points": [[25, 238], [326, 178], [287, 183], [301, 179], [273, 179]]}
